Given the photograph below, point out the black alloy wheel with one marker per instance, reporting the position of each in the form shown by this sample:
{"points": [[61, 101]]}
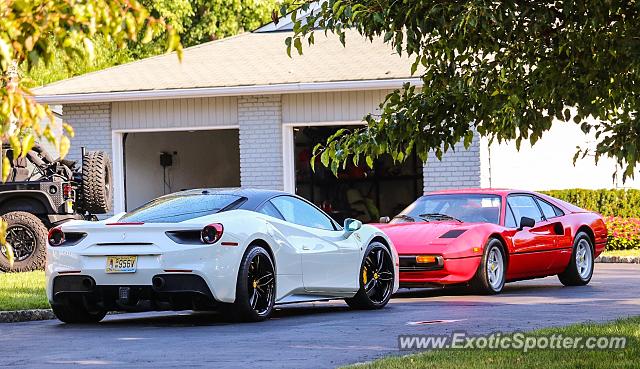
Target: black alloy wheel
{"points": [[376, 279], [261, 284], [22, 240]]}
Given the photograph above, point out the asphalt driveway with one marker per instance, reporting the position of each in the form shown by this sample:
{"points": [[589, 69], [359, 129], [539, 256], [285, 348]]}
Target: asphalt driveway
{"points": [[318, 335]]}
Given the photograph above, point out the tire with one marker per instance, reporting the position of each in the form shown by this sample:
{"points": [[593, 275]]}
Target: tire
{"points": [[580, 268], [376, 279], [74, 311], [255, 289], [97, 184], [491, 274], [28, 236]]}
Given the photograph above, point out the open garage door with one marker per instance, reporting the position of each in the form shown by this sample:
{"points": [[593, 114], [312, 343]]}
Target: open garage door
{"points": [[157, 163], [358, 191]]}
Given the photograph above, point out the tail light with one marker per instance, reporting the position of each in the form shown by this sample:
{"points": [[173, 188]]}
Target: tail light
{"points": [[67, 190], [211, 233], [56, 237]]}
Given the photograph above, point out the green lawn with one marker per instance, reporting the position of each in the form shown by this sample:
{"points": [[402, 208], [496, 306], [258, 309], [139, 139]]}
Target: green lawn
{"points": [[622, 253], [537, 359], [21, 291]]}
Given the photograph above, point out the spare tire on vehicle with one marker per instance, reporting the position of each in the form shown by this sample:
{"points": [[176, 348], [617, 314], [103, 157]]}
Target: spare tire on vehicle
{"points": [[96, 189]]}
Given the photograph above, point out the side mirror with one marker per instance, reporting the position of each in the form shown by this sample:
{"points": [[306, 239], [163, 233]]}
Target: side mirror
{"points": [[526, 222], [351, 225], [385, 219]]}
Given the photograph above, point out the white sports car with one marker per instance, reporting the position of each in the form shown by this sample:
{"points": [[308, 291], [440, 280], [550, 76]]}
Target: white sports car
{"points": [[238, 251]]}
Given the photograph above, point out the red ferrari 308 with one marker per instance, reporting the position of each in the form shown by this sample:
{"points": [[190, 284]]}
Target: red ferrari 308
{"points": [[486, 237]]}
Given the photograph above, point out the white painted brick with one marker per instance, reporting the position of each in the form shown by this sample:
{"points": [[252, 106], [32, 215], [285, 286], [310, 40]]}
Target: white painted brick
{"points": [[459, 168], [92, 126], [260, 121]]}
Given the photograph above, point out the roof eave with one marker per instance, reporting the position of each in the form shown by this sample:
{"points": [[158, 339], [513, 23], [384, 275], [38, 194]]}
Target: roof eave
{"points": [[282, 88]]}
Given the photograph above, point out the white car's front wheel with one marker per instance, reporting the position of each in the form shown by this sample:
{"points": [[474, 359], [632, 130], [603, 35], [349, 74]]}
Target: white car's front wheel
{"points": [[376, 279], [256, 287]]}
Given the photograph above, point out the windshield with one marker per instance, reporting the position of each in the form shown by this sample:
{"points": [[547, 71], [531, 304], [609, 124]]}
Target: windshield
{"points": [[178, 208], [453, 207]]}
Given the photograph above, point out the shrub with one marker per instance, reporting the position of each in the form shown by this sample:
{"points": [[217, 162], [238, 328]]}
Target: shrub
{"points": [[616, 203], [624, 233], [621, 209]]}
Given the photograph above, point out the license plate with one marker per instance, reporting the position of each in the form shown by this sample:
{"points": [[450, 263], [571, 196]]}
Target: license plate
{"points": [[121, 264]]}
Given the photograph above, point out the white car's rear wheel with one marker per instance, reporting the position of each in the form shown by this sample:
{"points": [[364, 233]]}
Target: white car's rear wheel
{"points": [[74, 311], [376, 279], [256, 287]]}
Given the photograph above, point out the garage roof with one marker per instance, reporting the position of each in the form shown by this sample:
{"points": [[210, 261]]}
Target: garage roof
{"points": [[250, 63]]}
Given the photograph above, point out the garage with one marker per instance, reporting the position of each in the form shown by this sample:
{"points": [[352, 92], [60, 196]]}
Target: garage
{"points": [[158, 163], [358, 191]]}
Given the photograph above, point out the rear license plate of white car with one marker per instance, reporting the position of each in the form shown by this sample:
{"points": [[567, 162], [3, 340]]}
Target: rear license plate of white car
{"points": [[121, 264]]}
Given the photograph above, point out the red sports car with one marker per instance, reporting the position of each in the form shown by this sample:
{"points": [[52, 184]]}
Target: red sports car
{"points": [[486, 237]]}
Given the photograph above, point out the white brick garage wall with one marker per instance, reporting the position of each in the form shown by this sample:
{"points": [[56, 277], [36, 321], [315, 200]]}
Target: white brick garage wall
{"points": [[457, 169], [92, 126], [260, 121]]}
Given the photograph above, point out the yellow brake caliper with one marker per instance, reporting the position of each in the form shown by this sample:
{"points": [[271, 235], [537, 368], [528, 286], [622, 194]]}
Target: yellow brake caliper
{"points": [[364, 275]]}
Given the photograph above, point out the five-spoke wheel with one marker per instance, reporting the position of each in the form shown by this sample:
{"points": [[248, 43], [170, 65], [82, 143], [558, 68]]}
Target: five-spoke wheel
{"points": [[261, 283], [376, 279], [580, 268], [490, 276], [256, 287]]}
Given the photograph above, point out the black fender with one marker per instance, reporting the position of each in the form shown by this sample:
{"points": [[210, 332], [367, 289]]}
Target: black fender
{"points": [[31, 201]]}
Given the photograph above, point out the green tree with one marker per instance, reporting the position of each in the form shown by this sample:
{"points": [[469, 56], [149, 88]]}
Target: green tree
{"points": [[195, 21], [37, 31], [504, 68], [214, 19]]}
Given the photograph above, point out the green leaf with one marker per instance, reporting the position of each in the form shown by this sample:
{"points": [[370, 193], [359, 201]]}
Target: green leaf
{"points": [[324, 158], [298, 45], [334, 167], [27, 143], [6, 168], [369, 161], [287, 42], [16, 146]]}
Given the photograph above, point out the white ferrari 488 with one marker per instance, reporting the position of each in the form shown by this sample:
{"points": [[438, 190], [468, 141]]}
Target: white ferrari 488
{"points": [[237, 251]]}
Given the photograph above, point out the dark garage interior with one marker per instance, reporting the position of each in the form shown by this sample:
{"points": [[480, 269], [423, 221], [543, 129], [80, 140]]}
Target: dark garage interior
{"points": [[358, 191]]}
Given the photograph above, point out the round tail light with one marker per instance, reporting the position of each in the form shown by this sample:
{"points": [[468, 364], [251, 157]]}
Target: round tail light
{"points": [[211, 233], [56, 237]]}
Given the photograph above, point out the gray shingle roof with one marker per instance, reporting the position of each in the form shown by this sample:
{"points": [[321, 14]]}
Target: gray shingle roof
{"points": [[249, 59]]}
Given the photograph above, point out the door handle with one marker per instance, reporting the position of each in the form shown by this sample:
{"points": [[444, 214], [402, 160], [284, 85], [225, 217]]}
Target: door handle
{"points": [[306, 248]]}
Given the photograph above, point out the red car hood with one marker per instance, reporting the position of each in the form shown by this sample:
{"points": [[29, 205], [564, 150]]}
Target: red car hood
{"points": [[416, 238]]}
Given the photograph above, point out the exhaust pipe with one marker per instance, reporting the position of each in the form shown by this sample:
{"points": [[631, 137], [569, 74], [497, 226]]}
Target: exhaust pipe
{"points": [[158, 282], [88, 283]]}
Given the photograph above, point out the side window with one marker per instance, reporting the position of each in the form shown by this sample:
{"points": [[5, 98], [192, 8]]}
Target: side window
{"points": [[558, 211], [509, 219], [299, 212], [549, 210], [269, 209], [524, 206]]}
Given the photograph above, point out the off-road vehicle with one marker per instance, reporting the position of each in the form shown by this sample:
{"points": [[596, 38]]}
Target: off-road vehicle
{"points": [[42, 192]]}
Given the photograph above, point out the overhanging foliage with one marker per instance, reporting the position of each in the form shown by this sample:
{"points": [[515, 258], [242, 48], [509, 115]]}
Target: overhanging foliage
{"points": [[504, 68]]}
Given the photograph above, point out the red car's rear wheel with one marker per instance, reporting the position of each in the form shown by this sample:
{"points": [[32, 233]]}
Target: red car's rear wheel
{"points": [[580, 268]]}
